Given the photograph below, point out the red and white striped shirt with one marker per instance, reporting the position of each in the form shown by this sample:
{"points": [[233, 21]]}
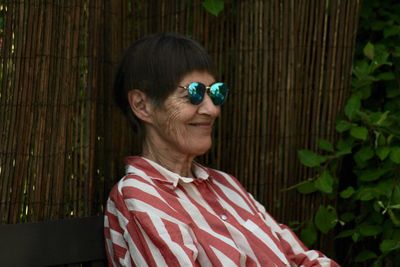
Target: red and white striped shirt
{"points": [[155, 217]]}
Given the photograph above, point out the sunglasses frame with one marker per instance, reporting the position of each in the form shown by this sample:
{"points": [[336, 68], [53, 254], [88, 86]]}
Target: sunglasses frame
{"points": [[207, 90]]}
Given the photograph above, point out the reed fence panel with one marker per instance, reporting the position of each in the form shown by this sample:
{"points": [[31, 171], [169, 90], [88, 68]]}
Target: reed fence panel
{"points": [[62, 142]]}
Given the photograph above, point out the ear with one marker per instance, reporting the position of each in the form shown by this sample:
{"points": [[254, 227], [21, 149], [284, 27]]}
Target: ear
{"points": [[140, 105]]}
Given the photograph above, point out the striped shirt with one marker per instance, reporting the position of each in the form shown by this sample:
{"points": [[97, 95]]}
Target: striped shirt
{"points": [[155, 217]]}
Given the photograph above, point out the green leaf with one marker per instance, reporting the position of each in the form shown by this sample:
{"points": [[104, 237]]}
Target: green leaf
{"points": [[214, 6], [344, 234], [352, 106], [371, 175], [369, 50], [380, 139], [363, 155], [324, 182], [396, 207], [382, 152], [386, 76], [325, 218], [361, 71], [381, 117], [385, 187], [395, 154], [344, 146], [310, 159], [392, 92], [381, 57], [365, 91], [362, 81], [342, 126], [366, 194], [391, 31], [348, 192], [309, 234], [395, 189], [307, 187], [377, 25], [325, 145], [355, 236], [393, 217], [365, 255], [370, 230], [359, 132], [396, 52], [388, 245], [347, 217]]}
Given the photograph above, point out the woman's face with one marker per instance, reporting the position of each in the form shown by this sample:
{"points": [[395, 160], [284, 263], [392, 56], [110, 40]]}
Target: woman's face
{"points": [[179, 126]]}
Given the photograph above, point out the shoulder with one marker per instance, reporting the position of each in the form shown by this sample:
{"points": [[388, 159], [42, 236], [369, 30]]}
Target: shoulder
{"points": [[226, 179], [139, 173], [135, 182]]}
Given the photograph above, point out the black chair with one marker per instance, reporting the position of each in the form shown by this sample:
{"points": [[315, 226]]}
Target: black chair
{"points": [[69, 242]]}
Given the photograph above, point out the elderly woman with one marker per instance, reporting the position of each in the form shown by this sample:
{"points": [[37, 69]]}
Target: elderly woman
{"points": [[168, 210]]}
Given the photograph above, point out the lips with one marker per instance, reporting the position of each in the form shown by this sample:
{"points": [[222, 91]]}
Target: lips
{"points": [[202, 125], [205, 124]]}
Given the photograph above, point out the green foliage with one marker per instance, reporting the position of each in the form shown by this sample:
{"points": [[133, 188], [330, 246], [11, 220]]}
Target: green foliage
{"points": [[309, 234], [362, 170], [325, 218], [213, 6], [310, 159]]}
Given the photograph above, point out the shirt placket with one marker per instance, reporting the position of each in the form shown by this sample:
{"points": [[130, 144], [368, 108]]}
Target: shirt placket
{"points": [[211, 198]]}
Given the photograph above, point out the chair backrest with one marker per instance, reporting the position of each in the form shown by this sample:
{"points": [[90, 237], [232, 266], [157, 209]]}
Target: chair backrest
{"points": [[62, 242]]}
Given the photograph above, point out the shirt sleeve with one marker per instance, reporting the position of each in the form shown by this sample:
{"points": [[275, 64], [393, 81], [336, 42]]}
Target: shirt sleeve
{"points": [[295, 251], [140, 234]]}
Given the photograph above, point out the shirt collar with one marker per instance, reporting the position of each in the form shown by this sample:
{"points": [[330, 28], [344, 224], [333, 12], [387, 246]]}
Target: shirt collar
{"points": [[143, 166]]}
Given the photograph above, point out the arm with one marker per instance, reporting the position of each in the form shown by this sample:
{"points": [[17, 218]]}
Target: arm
{"points": [[139, 234], [296, 252]]}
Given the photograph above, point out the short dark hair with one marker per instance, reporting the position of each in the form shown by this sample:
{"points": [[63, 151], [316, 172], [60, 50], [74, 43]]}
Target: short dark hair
{"points": [[155, 64]]}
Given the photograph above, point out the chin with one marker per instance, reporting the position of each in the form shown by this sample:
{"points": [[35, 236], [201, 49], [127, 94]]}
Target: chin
{"points": [[199, 149]]}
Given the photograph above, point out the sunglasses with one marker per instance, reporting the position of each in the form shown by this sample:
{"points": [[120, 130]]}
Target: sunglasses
{"points": [[218, 92]]}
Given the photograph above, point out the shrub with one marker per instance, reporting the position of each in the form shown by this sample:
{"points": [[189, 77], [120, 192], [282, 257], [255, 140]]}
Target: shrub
{"points": [[362, 169]]}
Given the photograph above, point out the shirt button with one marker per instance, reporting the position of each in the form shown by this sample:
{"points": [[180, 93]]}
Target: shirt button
{"points": [[224, 217]]}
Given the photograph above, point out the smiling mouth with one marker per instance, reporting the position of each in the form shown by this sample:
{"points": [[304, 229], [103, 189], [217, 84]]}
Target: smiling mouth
{"points": [[202, 124]]}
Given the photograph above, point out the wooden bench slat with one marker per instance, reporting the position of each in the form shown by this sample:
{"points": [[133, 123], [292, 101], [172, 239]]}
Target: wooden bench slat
{"points": [[66, 241]]}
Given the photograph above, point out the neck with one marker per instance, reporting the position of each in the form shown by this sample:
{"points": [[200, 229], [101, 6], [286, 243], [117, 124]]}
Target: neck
{"points": [[168, 158]]}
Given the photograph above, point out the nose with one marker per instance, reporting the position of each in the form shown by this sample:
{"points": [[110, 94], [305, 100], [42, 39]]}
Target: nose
{"points": [[207, 107]]}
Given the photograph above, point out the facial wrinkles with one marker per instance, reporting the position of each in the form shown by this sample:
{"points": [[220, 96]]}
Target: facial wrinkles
{"points": [[172, 120]]}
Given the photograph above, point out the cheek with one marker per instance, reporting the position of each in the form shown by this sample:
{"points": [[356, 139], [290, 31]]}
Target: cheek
{"points": [[174, 123]]}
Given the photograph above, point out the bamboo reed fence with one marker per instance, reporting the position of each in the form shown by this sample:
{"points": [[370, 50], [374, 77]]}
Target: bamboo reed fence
{"points": [[288, 65]]}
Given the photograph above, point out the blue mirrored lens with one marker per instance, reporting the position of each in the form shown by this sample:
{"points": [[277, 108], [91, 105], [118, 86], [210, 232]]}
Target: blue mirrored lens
{"points": [[196, 92], [218, 93]]}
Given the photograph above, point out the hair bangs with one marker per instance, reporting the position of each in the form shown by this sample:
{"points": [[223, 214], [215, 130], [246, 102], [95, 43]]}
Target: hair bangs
{"points": [[175, 59]]}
